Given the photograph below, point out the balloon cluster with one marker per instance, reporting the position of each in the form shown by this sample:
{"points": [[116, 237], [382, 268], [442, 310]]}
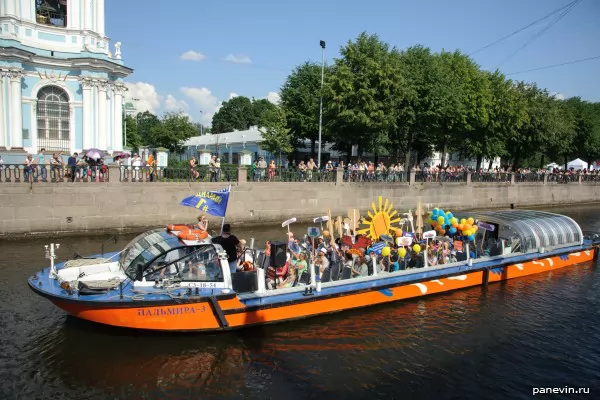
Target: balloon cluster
{"points": [[444, 221]]}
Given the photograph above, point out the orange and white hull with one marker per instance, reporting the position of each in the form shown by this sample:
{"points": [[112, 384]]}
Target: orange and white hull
{"points": [[230, 311]]}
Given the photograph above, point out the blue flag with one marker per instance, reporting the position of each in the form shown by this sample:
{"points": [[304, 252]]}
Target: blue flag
{"points": [[213, 203]]}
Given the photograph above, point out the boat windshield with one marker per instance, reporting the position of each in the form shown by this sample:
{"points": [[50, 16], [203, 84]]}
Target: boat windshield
{"points": [[145, 248]]}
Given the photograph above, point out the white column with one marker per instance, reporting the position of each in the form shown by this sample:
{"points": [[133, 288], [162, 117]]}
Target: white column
{"points": [[88, 11], [73, 21], [2, 110], [11, 7], [100, 17], [16, 109], [88, 121], [102, 115], [119, 89]]}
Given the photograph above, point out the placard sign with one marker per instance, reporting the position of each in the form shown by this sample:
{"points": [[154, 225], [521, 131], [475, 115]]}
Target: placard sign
{"points": [[458, 245], [429, 235], [314, 232], [362, 243], [347, 240], [404, 241], [486, 226], [377, 247]]}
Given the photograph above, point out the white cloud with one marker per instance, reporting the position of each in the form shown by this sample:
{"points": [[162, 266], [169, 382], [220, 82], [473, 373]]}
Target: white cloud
{"points": [[192, 55], [232, 95], [238, 59], [206, 102], [143, 96], [172, 104], [558, 96], [274, 97]]}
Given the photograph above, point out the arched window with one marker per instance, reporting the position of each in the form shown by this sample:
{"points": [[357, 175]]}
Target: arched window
{"points": [[53, 123]]}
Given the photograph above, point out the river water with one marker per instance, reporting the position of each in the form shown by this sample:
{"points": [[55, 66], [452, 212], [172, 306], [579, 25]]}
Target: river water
{"points": [[496, 342]]}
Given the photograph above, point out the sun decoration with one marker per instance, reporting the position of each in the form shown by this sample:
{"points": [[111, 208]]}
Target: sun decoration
{"points": [[380, 220]]}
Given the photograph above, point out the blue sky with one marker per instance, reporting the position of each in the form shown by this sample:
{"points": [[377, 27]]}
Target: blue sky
{"points": [[268, 38]]}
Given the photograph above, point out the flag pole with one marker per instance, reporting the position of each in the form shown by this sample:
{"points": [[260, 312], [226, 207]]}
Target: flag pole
{"points": [[223, 219]]}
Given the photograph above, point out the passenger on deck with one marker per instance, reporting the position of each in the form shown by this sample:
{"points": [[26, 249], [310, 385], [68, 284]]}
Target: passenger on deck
{"points": [[301, 265], [432, 259], [202, 222], [229, 243], [321, 261], [360, 268], [289, 281]]}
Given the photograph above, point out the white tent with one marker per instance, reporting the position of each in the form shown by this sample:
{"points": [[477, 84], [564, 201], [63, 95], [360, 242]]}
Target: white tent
{"points": [[553, 165], [577, 164]]}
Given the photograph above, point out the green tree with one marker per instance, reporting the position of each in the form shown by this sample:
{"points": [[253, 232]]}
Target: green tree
{"points": [[261, 107], [172, 131], [505, 114], [235, 114], [464, 101], [146, 122], [415, 110], [360, 95], [541, 128], [131, 135], [586, 141], [276, 136], [300, 97]]}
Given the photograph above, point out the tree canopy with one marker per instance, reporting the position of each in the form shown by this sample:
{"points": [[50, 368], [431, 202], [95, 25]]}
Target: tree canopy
{"points": [[240, 113], [169, 131], [408, 103]]}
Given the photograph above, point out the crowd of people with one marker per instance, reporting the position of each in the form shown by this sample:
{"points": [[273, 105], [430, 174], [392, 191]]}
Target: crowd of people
{"points": [[340, 259]]}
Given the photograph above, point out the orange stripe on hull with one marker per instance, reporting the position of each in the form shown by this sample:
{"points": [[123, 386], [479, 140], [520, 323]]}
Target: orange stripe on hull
{"points": [[354, 300], [541, 265]]}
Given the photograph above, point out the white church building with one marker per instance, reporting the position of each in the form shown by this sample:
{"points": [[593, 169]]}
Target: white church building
{"points": [[61, 88]]}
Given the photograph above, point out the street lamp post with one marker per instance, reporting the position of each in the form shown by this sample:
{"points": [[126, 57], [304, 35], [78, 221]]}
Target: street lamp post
{"points": [[201, 129], [322, 43]]}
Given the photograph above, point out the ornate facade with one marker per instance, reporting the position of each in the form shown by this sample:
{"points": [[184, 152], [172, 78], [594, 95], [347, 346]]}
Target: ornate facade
{"points": [[60, 87]]}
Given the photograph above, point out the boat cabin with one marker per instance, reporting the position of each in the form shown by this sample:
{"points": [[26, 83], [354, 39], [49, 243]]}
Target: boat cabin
{"points": [[525, 231], [159, 255]]}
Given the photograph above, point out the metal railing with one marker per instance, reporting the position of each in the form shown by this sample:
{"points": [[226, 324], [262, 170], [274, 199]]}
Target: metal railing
{"points": [[441, 177], [490, 177], [18, 173], [289, 175], [177, 174]]}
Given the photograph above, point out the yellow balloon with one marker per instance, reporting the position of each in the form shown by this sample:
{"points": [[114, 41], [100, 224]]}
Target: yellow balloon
{"points": [[471, 220], [463, 221], [430, 213], [325, 233], [441, 220], [453, 221], [402, 252], [417, 248], [385, 251]]}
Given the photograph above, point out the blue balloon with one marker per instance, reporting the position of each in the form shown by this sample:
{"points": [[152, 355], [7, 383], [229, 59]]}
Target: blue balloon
{"points": [[453, 230], [450, 216], [441, 212], [471, 238]]}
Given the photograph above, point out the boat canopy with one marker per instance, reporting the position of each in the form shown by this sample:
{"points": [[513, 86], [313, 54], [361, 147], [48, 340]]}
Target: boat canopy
{"points": [[534, 229], [152, 252]]}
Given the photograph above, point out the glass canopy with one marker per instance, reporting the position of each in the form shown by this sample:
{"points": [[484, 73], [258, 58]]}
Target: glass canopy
{"points": [[534, 229]]}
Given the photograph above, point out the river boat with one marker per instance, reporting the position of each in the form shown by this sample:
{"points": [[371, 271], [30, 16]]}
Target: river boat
{"points": [[161, 282]]}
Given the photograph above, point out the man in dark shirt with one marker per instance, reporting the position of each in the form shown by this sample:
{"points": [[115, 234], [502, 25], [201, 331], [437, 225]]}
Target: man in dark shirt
{"points": [[229, 243], [72, 164]]}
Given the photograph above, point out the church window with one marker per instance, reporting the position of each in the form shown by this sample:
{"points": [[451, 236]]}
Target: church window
{"points": [[53, 122], [51, 12]]}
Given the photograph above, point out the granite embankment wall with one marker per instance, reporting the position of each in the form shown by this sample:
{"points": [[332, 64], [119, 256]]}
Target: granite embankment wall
{"points": [[48, 208]]}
